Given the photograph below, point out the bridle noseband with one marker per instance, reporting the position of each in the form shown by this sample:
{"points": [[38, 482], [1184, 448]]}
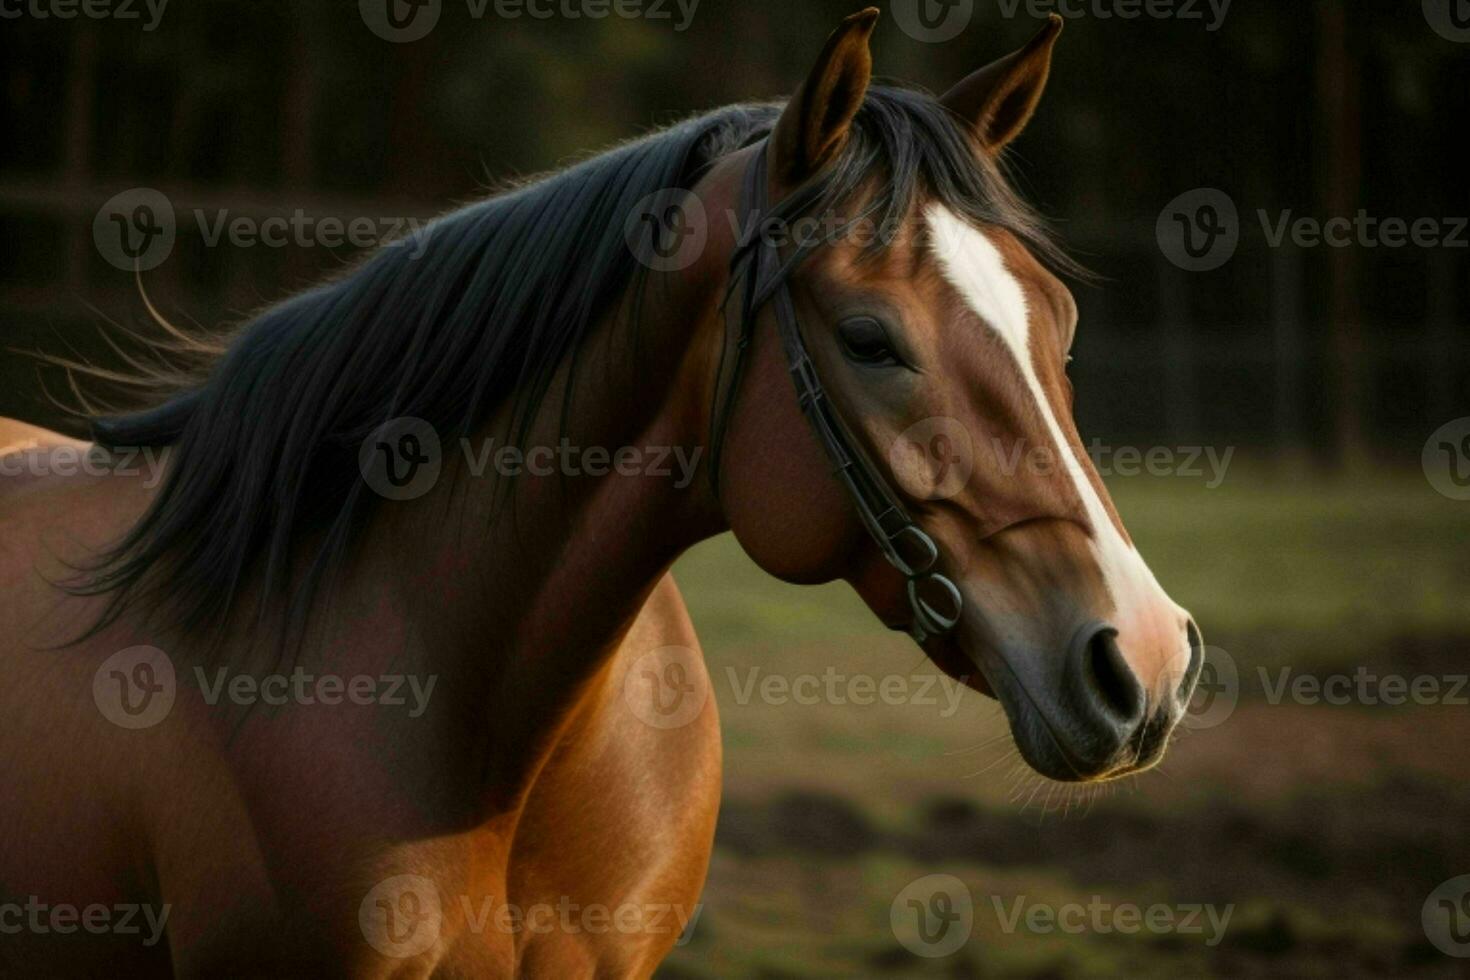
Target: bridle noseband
{"points": [[759, 269]]}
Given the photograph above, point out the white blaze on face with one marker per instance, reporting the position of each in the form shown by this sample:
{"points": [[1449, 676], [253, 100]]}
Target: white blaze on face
{"points": [[1150, 626]]}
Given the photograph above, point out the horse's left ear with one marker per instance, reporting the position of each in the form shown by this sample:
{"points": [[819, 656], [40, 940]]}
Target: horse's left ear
{"points": [[813, 126], [998, 100]]}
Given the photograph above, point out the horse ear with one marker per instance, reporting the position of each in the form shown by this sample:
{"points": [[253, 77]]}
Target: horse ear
{"points": [[814, 124], [998, 100]]}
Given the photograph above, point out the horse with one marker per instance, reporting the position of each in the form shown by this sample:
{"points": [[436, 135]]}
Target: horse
{"points": [[315, 689]]}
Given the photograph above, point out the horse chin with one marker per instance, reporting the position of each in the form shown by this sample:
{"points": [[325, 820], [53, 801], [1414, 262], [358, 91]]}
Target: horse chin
{"points": [[946, 654]]}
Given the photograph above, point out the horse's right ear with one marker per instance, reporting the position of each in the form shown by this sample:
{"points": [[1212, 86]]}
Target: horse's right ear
{"points": [[997, 101], [813, 127]]}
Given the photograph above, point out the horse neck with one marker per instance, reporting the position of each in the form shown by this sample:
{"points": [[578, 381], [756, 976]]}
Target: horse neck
{"points": [[524, 591]]}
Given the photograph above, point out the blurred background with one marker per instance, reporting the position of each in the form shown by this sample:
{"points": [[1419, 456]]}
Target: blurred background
{"points": [[1333, 383]]}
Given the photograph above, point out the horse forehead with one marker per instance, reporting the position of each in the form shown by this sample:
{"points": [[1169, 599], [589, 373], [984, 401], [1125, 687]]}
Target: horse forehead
{"points": [[981, 267], [976, 269]]}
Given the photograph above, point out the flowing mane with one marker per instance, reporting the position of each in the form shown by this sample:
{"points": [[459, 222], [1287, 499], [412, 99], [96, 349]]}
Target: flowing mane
{"points": [[472, 313]]}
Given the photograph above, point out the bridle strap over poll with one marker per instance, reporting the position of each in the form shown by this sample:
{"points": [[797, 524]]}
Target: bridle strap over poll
{"points": [[760, 273]]}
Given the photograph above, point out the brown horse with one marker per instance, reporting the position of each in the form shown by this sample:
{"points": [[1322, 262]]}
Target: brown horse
{"points": [[296, 687]]}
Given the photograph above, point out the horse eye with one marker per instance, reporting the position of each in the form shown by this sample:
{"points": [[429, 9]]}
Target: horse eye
{"points": [[865, 341]]}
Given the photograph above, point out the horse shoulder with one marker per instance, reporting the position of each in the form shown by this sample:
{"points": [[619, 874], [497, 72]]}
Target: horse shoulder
{"points": [[623, 816]]}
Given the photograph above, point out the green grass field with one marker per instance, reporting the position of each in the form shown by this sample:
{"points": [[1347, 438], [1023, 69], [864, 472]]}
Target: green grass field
{"points": [[1323, 828]]}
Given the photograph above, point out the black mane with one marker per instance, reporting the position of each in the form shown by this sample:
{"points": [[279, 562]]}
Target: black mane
{"points": [[473, 312]]}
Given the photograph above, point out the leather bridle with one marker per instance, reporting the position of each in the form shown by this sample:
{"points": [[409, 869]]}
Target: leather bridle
{"points": [[758, 269]]}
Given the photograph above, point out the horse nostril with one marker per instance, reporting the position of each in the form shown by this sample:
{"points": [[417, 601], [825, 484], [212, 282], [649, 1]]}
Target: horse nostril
{"points": [[1196, 663], [1113, 685]]}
